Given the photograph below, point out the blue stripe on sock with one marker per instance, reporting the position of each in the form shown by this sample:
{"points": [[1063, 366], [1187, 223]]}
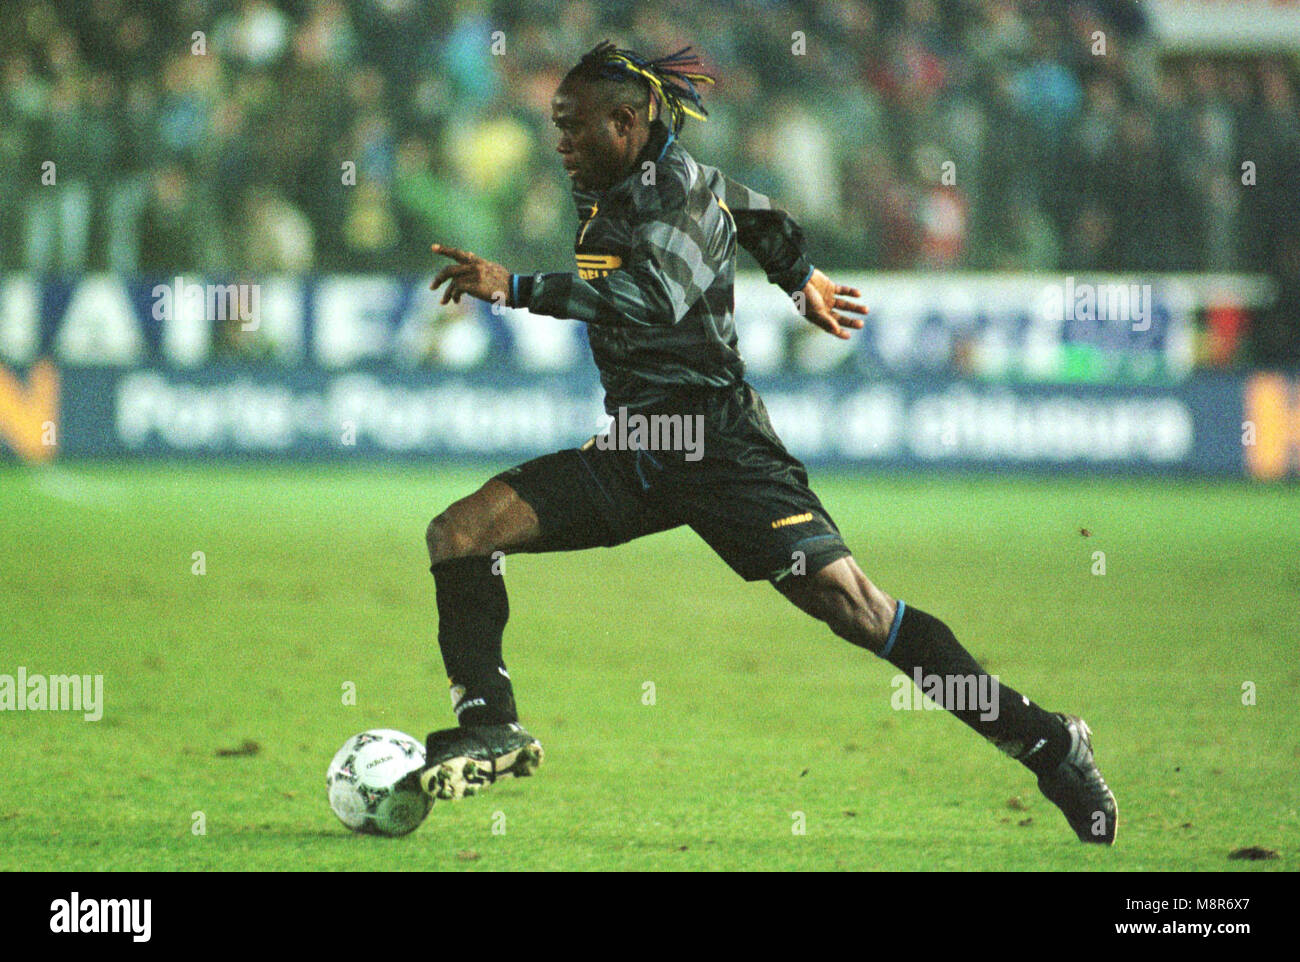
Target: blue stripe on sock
{"points": [[893, 629], [514, 290]]}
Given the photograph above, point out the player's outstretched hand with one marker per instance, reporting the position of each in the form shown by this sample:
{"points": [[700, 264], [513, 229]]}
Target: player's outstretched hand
{"points": [[472, 275], [826, 304]]}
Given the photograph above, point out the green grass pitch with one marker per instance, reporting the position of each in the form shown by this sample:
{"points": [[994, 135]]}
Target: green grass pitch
{"points": [[317, 577]]}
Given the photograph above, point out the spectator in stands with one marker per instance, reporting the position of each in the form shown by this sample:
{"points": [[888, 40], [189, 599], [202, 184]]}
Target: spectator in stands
{"points": [[1064, 159]]}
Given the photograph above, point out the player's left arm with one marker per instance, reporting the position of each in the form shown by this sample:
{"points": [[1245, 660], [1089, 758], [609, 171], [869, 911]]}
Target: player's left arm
{"points": [[768, 233], [774, 239], [827, 305]]}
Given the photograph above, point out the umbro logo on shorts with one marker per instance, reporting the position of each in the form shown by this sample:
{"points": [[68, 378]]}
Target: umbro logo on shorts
{"points": [[793, 519]]}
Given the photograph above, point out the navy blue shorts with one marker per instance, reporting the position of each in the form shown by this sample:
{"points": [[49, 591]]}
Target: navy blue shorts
{"points": [[731, 480]]}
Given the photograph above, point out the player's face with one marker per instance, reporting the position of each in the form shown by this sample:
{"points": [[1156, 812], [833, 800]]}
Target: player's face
{"points": [[592, 142]]}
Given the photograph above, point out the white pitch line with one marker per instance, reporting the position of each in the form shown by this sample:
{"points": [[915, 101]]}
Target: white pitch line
{"points": [[62, 485]]}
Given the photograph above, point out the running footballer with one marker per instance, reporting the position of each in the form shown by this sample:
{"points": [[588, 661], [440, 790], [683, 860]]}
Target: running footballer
{"points": [[656, 255]]}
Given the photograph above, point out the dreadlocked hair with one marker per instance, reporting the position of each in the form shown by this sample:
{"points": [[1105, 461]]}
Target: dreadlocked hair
{"points": [[669, 81]]}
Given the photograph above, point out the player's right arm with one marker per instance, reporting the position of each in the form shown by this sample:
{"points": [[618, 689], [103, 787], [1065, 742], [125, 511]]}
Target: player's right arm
{"points": [[671, 260]]}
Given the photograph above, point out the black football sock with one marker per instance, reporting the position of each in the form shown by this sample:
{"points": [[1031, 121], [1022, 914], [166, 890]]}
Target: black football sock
{"points": [[472, 614], [925, 648]]}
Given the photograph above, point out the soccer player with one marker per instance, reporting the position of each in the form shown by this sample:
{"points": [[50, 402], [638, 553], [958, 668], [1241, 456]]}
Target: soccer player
{"points": [[656, 251]]}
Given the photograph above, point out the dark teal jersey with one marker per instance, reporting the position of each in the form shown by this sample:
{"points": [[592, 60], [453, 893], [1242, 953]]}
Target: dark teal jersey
{"points": [[655, 279]]}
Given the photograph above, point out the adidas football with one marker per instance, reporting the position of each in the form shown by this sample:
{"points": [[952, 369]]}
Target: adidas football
{"points": [[363, 783]]}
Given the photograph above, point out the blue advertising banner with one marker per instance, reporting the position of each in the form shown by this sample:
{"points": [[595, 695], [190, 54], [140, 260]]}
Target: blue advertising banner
{"points": [[1202, 426], [991, 372], [1130, 329]]}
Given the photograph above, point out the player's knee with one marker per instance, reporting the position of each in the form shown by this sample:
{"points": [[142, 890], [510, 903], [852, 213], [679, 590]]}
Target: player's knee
{"points": [[448, 537], [854, 621], [862, 618], [873, 617]]}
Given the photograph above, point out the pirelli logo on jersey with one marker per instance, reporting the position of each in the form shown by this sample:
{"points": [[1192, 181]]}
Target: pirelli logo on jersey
{"points": [[591, 266], [793, 519]]}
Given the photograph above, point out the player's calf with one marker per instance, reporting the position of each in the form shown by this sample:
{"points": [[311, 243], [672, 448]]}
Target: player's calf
{"points": [[473, 607], [923, 647]]}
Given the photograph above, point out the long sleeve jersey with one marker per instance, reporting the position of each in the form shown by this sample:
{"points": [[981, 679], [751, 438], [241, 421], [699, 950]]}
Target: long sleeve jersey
{"points": [[656, 258]]}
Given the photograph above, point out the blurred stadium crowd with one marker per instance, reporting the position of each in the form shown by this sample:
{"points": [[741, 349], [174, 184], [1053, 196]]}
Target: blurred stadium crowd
{"points": [[215, 134]]}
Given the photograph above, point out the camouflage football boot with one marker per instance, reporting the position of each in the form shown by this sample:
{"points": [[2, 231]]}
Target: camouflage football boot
{"points": [[462, 761], [1078, 790]]}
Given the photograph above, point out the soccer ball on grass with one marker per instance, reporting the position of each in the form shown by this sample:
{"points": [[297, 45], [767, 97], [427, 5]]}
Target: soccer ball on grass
{"points": [[363, 783]]}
